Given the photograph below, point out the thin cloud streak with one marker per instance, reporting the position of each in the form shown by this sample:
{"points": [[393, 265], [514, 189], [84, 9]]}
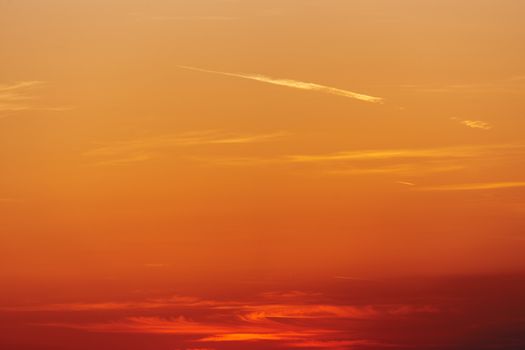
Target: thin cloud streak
{"points": [[457, 152], [294, 84], [475, 186], [401, 162], [424, 153], [174, 301], [14, 97], [143, 149], [406, 183], [419, 168], [20, 85]]}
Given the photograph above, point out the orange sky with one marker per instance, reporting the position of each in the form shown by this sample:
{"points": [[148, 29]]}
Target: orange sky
{"points": [[208, 145]]}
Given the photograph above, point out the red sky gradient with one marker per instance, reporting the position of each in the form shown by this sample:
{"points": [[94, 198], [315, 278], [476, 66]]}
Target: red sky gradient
{"points": [[278, 174]]}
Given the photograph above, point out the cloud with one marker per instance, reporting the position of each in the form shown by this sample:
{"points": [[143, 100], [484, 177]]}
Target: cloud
{"points": [[204, 330], [306, 311], [290, 318], [406, 183], [294, 84], [397, 317], [154, 325], [143, 149], [15, 97], [20, 85], [405, 162], [81, 307], [407, 169], [476, 124], [229, 337], [268, 308], [475, 186], [408, 153], [174, 301], [208, 332], [401, 162], [236, 329]]}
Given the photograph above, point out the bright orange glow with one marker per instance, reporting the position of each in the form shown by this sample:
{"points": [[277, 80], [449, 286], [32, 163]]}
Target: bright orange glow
{"points": [[262, 175]]}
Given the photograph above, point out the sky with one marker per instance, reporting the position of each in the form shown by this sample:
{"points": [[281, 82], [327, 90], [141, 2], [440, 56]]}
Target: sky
{"points": [[292, 174]]}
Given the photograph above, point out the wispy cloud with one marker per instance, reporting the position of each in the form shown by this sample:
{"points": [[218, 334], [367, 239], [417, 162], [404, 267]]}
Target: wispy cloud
{"points": [[401, 162], [407, 153], [406, 169], [477, 124], [474, 124], [475, 186], [292, 318], [406, 183], [404, 162], [204, 331], [143, 149], [174, 301], [16, 97], [294, 84], [13, 97], [19, 85]]}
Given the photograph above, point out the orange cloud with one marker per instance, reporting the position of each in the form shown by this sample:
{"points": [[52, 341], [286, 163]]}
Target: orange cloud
{"points": [[265, 312], [477, 124], [295, 318]]}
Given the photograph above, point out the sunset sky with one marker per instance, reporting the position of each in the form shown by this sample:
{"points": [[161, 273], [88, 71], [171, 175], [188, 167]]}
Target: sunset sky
{"points": [[249, 174]]}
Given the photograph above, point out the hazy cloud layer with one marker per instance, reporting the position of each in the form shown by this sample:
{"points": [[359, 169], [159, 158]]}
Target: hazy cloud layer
{"points": [[296, 319]]}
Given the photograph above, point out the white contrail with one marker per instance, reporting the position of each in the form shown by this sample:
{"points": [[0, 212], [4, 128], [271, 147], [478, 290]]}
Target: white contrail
{"points": [[294, 84]]}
